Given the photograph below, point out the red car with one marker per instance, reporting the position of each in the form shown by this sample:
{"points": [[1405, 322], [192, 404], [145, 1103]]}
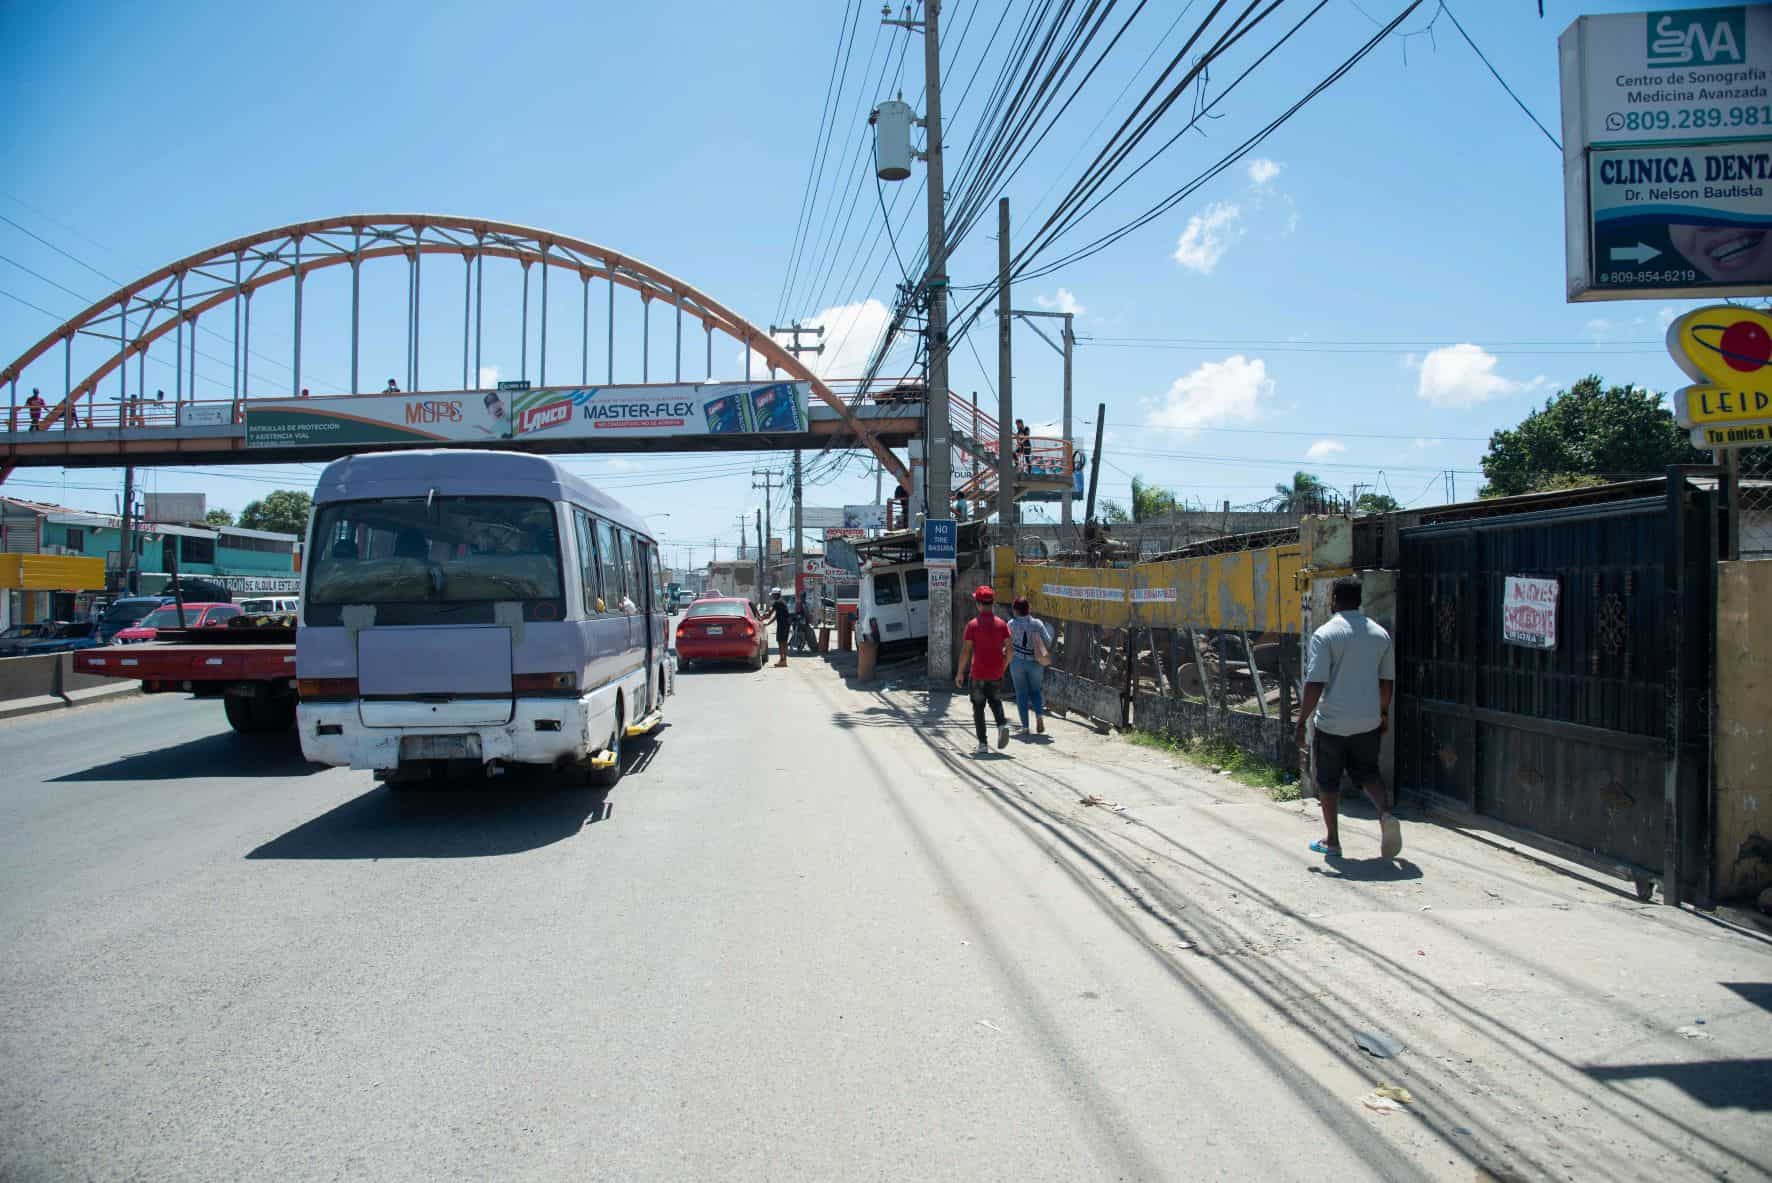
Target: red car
{"points": [[196, 616], [721, 630]]}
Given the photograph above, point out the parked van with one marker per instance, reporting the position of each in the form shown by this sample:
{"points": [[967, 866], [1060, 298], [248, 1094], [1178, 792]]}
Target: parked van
{"points": [[271, 605], [894, 603]]}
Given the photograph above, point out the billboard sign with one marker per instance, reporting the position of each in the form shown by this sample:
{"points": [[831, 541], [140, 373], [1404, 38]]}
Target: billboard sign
{"points": [[205, 414], [821, 517], [572, 412], [864, 517], [176, 509], [1681, 217], [468, 417], [701, 409], [1727, 351], [1667, 153]]}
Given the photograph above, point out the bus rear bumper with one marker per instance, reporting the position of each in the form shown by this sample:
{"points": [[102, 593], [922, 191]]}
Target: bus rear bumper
{"points": [[544, 731]]}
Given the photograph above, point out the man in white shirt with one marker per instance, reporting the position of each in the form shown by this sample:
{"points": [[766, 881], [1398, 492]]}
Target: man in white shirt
{"points": [[1349, 673]]}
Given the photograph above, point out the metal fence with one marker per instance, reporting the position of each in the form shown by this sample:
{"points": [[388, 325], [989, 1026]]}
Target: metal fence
{"points": [[1753, 504]]}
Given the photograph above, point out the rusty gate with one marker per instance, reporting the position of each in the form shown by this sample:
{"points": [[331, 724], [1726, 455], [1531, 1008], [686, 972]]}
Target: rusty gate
{"points": [[1598, 744]]}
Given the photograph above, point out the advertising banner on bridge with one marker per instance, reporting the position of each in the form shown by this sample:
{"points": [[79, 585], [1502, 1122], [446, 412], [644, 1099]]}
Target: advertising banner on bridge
{"points": [[569, 412], [466, 417], [617, 412]]}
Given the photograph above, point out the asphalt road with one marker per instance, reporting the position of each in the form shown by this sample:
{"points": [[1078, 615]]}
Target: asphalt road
{"points": [[793, 943]]}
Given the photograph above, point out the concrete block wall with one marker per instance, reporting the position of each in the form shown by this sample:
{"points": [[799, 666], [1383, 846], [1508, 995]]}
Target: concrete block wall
{"points": [[1742, 746], [29, 685]]}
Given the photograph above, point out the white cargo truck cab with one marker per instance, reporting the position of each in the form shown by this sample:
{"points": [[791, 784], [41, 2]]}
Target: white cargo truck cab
{"points": [[894, 602]]}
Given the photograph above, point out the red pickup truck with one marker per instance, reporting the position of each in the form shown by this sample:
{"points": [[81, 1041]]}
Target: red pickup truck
{"points": [[249, 665]]}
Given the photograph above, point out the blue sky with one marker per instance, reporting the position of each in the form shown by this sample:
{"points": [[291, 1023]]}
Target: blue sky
{"points": [[1367, 296]]}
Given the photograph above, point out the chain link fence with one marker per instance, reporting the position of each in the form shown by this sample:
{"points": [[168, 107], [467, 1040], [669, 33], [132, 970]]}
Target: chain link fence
{"points": [[1753, 504]]}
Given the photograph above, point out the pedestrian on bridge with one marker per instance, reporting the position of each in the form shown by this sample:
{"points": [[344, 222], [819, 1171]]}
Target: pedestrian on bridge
{"points": [[35, 405], [1349, 673], [984, 653], [393, 387], [1030, 644]]}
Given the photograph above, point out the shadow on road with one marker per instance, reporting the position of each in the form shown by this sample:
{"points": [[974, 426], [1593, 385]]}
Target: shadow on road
{"points": [[464, 817], [1368, 870], [1716, 1084], [221, 755]]}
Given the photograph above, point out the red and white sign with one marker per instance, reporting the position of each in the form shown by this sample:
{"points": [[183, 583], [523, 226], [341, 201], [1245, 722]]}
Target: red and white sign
{"points": [[1529, 612]]}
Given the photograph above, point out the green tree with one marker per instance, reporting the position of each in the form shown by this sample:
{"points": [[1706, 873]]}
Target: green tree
{"points": [[1114, 514], [1376, 503], [1307, 491], [283, 511], [1149, 502], [219, 517], [1587, 434]]}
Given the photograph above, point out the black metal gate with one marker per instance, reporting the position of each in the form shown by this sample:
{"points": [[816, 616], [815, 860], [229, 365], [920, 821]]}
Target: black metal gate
{"points": [[1599, 745]]}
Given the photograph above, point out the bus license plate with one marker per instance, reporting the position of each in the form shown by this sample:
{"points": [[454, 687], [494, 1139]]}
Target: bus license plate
{"points": [[439, 747], [715, 630]]}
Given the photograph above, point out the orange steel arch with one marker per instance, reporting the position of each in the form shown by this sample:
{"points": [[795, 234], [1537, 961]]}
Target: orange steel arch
{"points": [[592, 262]]}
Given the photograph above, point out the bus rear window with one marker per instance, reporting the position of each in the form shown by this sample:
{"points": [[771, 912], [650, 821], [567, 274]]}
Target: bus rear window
{"points": [[442, 560]]}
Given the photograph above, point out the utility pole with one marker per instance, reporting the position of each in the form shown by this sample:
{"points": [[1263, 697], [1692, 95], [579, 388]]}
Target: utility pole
{"points": [[770, 483], [126, 560], [1064, 503], [1005, 379], [762, 556], [796, 329], [1095, 465], [937, 461], [1070, 340], [799, 539]]}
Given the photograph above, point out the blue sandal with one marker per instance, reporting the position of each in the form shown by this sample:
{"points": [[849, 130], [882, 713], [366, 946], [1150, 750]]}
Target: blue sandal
{"points": [[1322, 847]]}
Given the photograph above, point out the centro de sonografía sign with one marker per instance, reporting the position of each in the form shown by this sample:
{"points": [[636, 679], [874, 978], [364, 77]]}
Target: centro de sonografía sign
{"points": [[573, 412]]}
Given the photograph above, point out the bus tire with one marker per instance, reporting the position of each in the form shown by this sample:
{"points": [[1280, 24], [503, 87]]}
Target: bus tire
{"points": [[607, 778]]}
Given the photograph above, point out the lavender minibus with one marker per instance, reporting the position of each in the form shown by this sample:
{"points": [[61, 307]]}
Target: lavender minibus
{"points": [[479, 608]]}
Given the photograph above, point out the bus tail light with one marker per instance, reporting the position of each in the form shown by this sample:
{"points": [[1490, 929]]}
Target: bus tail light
{"points": [[566, 683], [326, 689]]}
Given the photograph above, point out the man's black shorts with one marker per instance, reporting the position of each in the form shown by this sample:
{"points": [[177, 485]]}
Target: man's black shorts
{"points": [[1357, 755]]}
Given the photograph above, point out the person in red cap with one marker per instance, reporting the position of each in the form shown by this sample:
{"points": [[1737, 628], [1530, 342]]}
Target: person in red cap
{"points": [[985, 653]]}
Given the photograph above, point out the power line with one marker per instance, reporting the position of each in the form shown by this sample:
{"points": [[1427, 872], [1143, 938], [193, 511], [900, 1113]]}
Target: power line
{"points": [[1496, 74]]}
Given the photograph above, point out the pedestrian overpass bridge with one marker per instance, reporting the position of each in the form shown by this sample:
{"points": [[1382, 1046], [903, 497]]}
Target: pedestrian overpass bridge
{"points": [[80, 396]]}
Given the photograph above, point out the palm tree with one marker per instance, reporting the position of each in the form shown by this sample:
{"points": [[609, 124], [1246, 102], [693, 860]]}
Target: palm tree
{"points": [[1306, 490]]}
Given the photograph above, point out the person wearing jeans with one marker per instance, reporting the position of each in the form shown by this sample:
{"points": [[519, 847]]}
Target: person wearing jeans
{"points": [[1027, 633], [984, 654]]}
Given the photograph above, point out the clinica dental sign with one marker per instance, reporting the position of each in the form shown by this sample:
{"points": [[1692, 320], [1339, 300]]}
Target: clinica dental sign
{"points": [[1667, 153]]}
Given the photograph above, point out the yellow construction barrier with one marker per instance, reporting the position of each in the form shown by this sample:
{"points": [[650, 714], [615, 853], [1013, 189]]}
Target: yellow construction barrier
{"points": [[1245, 591]]}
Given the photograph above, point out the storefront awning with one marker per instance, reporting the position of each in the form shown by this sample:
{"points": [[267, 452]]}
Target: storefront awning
{"points": [[21, 572]]}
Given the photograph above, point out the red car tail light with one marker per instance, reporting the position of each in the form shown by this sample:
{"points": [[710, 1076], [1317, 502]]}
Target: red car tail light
{"points": [[326, 689], [560, 683]]}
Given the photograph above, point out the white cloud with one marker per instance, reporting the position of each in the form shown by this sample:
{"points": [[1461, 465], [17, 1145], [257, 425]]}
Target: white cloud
{"points": [[1064, 301], [1208, 236], [1426, 443], [1323, 449], [1409, 360], [1666, 316], [1599, 326], [1463, 376], [488, 378], [1234, 390], [1263, 170], [621, 464], [850, 331]]}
